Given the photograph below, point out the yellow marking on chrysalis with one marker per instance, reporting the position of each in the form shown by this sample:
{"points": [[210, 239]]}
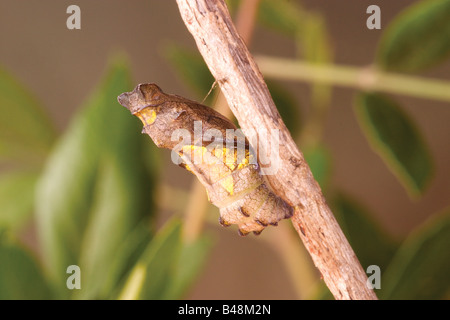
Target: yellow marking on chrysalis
{"points": [[228, 184], [147, 116], [244, 161], [228, 159], [196, 154], [188, 168], [218, 153]]}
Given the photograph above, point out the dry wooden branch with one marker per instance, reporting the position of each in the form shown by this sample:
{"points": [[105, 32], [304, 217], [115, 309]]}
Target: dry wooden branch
{"points": [[243, 85]]}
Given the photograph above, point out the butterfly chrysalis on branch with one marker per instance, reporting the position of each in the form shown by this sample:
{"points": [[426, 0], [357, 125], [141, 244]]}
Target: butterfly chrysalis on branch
{"points": [[205, 143]]}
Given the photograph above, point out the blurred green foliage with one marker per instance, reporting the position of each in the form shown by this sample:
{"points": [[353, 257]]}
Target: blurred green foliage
{"points": [[419, 268], [418, 38], [26, 132], [388, 128], [94, 207], [92, 187]]}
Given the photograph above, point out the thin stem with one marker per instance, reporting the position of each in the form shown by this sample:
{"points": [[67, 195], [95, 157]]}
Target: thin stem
{"points": [[303, 275], [194, 215], [246, 17], [354, 77]]}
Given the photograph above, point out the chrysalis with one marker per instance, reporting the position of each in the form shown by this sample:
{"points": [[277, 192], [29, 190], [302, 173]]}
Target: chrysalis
{"points": [[225, 165]]}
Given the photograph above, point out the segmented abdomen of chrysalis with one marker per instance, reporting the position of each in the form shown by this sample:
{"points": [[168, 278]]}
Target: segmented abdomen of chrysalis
{"points": [[235, 185], [228, 169]]}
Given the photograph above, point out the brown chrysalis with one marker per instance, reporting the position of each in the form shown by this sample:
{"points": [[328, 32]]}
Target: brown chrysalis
{"points": [[224, 164]]}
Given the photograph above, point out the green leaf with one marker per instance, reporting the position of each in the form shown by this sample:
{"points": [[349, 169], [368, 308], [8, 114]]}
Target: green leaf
{"points": [[319, 160], [20, 276], [371, 244], [118, 207], [191, 68], [420, 267], [127, 255], [418, 38], [287, 107], [63, 199], [394, 136], [283, 16], [16, 198], [26, 133], [151, 275], [100, 147], [191, 259]]}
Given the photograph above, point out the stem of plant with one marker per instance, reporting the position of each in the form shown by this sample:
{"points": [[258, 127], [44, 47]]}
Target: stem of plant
{"points": [[354, 77], [242, 84], [300, 269]]}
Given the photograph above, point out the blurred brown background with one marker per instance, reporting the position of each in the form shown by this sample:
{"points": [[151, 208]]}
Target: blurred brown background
{"points": [[62, 67]]}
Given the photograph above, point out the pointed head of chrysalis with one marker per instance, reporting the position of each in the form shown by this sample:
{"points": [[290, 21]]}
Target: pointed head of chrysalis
{"points": [[143, 96], [164, 115]]}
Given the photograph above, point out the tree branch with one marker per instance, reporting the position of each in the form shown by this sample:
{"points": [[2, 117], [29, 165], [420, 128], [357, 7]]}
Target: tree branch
{"points": [[243, 86]]}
